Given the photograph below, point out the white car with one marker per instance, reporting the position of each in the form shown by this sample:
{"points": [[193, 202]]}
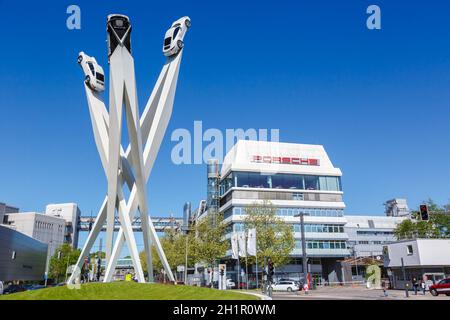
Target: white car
{"points": [[94, 75], [173, 40], [285, 286], [230, 284]]}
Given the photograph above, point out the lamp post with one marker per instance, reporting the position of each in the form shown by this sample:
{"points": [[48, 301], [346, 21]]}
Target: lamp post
{"points": [[47, 262], [304, 257]]}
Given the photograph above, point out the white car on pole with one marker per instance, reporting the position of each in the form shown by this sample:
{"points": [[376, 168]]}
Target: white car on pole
{"points": [[93, 72], [173, 40]]}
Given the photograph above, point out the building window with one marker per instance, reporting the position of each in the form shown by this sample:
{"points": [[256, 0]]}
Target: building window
{"points": [[409, 250], [279, 181]]}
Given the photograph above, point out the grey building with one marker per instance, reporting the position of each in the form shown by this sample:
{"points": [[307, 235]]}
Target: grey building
{"points": [[368, 234], [21, 257], [5, 209]]}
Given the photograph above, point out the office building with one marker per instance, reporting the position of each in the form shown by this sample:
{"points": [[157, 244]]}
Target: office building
{"points": [[294, 178], [368, 234], [41, 227], [71, 215]]}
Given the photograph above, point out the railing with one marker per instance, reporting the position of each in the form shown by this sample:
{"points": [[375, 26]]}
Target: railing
{"points": [[161, 223]]}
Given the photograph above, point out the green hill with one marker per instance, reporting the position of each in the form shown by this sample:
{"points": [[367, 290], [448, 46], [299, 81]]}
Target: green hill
{"points": [[128, 291]]}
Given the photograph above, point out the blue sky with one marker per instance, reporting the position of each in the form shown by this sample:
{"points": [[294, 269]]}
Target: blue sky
{"points": [[377, 100]]}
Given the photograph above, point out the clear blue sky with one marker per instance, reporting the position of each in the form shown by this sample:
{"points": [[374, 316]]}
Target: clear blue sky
{"points": [[377, 100]]}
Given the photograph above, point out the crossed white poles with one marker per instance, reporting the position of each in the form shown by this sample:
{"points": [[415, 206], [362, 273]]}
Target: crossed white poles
{"points": [[133, 165]]}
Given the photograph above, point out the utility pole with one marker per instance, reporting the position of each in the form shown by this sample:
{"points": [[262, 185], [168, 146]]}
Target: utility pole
{"points": [[404, 279], [303, 239]]}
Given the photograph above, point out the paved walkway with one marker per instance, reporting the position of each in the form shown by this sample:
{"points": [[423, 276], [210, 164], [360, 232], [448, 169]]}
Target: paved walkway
{"points": [[354, 293]]}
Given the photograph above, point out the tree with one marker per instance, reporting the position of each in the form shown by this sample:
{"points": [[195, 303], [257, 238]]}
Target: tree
{"points": [[174, 246], [210, 243], [274, 238], [438, 225], [62, 258]]}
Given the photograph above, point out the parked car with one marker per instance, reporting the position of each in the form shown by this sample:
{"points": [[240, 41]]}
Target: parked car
{"points": [[230, 284], [14, 288], [289, 286], [442, 286], [35, 287], [93, 72], [173, 39], [297, 282]]}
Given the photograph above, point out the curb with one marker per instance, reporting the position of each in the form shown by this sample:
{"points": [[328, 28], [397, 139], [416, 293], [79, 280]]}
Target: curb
{"points": [[261, 296]]}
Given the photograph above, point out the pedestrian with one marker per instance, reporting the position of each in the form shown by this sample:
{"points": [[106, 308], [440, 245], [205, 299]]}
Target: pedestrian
{"points": [[415, 285], [423, 285], [384, 285], [306, 287], [1, 287]]}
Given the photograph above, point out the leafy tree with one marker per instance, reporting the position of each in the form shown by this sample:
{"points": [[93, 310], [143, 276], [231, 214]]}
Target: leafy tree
{"points": [[174, 246], [62, 258], [209, 238], [274, 238], [438, 225]]}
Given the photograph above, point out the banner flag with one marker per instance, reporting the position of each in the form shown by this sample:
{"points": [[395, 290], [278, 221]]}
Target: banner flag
{"points": [[234, 246], [242, 244], [251, 242]]}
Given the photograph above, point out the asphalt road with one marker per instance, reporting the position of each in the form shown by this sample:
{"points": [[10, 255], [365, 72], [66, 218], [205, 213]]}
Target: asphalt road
{"points": [[353, 293]]}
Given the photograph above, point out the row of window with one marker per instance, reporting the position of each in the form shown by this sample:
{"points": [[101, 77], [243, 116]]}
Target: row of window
{"points": [[279, 181], [321, 244], [290, 212], [328, 228], [375, 233], [370, 242]]}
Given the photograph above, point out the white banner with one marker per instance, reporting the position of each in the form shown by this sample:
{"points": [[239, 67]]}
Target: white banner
{"points": [[242, 244], [234, 246], [251, 242]]}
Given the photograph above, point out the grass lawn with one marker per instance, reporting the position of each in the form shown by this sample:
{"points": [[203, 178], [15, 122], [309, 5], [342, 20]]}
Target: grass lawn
{"points": [[128, 291]]}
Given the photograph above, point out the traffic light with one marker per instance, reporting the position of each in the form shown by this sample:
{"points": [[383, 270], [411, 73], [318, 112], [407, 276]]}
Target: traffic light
{"points": [[424, 212], [271, 270]]}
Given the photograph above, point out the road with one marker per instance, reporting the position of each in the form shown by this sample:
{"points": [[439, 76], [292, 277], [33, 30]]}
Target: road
{"points": [[353, 293]]}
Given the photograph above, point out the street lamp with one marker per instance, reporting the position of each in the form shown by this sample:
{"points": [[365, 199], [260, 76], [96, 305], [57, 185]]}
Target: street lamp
{"points": [[47, 262], [304, 257]]}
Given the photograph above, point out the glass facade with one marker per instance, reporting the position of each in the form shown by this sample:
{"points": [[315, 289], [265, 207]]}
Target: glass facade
{"points": [[290, 212], [321, 244], [320, 228], [280, 181]]}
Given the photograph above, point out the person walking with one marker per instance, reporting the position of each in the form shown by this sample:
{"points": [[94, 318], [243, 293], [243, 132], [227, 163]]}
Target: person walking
{"points": [[306, 287], [415, 285], [1, 287], [384, 285], [423, 285]]}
